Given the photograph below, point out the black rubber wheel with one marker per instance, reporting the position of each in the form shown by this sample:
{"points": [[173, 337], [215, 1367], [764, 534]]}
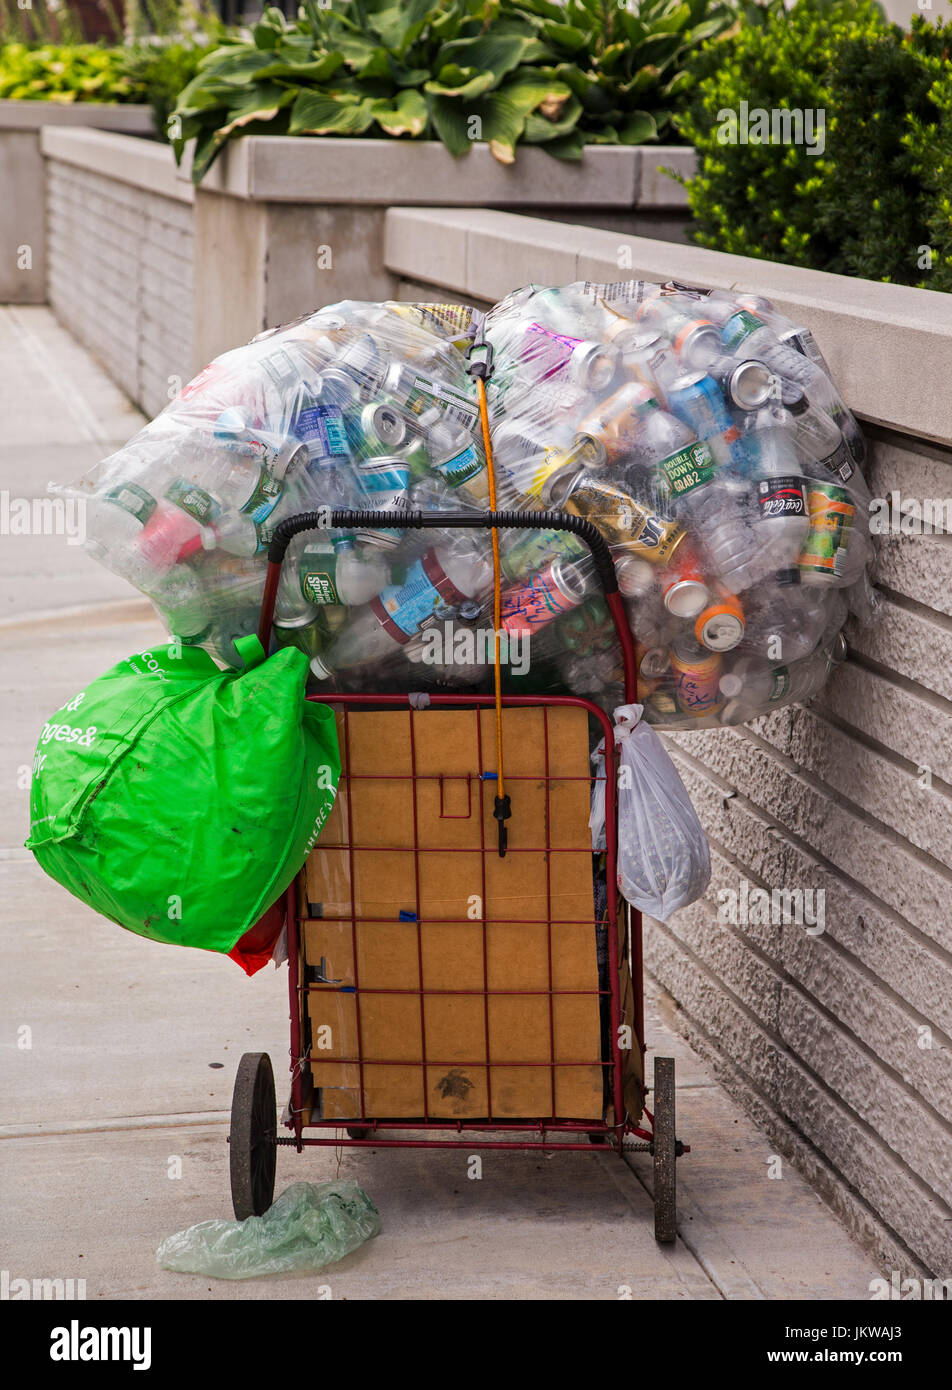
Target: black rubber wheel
{"points": [[253, 1136], [665, 1151], [355, 1132]]}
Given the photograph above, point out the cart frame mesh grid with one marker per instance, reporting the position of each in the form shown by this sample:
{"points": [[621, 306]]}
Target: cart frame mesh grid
{"points": [[549, 1131]]}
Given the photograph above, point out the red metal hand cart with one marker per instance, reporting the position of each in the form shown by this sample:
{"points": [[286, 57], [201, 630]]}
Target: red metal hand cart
{"points": [[421, 1011]]}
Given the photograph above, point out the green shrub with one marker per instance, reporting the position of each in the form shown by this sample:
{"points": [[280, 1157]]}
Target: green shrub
{"points": [[867, 203], [64, 73], [929, 141], [504, 71], [160, 71]]}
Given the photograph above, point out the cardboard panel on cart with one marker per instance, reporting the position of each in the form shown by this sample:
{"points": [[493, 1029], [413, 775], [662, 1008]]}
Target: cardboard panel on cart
{"points": [[426, 913], [388, 954]]}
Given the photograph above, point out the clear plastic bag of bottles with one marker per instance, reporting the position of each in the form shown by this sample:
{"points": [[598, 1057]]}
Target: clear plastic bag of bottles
{"points": [[701, 432]]}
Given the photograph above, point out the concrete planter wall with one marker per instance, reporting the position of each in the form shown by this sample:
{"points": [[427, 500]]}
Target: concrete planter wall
{"points": [[281, 226], [837, 1044], [304, 219], [121, 257], [22, 213]]}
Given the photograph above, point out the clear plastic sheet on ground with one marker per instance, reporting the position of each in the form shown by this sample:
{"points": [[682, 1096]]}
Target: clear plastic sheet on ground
{"points": [[310, 1226]]}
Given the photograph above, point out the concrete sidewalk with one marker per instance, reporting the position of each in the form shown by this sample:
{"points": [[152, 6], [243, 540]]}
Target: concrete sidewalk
{"points": [[117, 1055]]}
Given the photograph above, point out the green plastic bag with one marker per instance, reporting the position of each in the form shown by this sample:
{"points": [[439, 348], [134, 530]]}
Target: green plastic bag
{"points": [[309, 1226], [180, 800]]}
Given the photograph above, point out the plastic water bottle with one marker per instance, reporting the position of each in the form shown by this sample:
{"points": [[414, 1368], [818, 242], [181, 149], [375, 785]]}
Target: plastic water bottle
{"points": [[330, 569], [442, 578], [748, 333], [218, 499], [751, 684], [114, 526], [782, 522], [720, 518], [454, 455], [183, 603]]}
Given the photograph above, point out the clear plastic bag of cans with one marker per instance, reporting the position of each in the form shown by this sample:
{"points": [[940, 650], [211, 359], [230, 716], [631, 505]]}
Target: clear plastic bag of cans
{"points": [[704, 436], [700, 431]]}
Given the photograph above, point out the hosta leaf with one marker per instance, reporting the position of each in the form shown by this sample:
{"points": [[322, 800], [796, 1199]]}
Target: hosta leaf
{"points": [[496, 54], [571, 146], [637, 128], [660, 49], [398, 25], [566, 36], [581, 83], [259, 105], [545, 9], [451, 123], [529, 89], [315, 70], [407, 77], [207, 148], [360, 54], [678, 18], [315, 113], [453, 81], [611, 59], [605, 135], [635, 30], [448, 24], [585, 12], [235, 63], [503, 121], [404, 114], [679, 83], [539, 130], [643, 80], [707, 30], [267, 32], [202, 93]]}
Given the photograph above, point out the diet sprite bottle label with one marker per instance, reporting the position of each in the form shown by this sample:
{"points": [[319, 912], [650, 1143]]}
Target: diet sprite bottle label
{"points": [[134, 500], [689, 468], [193, 500]]}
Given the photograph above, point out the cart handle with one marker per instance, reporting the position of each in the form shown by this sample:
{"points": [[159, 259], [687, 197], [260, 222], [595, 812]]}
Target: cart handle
{"points": [[346, 519]]}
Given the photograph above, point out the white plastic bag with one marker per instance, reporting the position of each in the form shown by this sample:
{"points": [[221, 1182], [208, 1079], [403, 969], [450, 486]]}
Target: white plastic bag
{"points": [[663, 858]]}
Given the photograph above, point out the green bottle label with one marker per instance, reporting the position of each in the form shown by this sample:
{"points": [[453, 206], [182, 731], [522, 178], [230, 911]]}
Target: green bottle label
{"points": [[738, 328], [781, 684], [193, 500], [134, 500], [320, 585], [264, 498], [689, 468]]}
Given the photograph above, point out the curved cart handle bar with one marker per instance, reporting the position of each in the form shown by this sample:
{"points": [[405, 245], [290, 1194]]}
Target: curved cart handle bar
{"points": [[345, 519]]}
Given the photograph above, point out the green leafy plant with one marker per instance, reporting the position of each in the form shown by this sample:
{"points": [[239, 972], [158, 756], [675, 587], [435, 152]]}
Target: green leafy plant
{"points": [[503, 71], [929, 141], [858, 204], [65, 73], [41, 23], [170, 39]]}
